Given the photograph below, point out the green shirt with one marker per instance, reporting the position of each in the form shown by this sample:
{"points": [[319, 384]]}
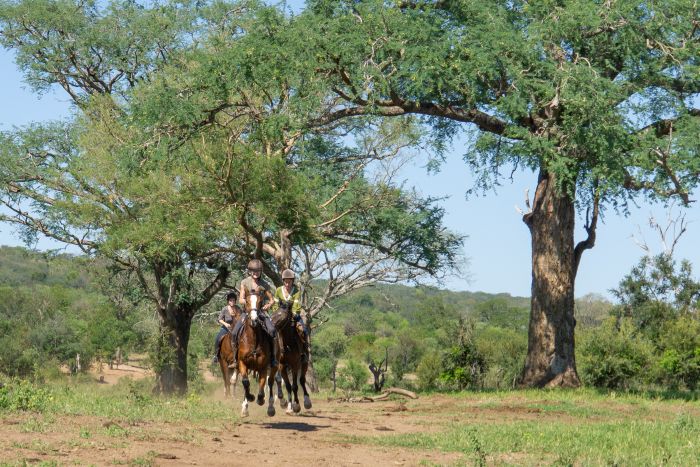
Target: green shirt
{"points": [[294, 297]]}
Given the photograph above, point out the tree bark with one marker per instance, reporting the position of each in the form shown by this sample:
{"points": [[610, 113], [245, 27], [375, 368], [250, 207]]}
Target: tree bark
{"points": [[550, 360], [171, 368]]}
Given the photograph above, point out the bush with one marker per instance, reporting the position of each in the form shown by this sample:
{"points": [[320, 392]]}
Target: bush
{"points": [[428, 371], [504, 352], [22, 395], [463, 366], [614, 356], [352, 376], [679, 363]]}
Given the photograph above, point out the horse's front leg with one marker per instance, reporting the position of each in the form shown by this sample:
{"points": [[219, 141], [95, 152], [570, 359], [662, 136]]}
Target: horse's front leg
{"points": [[288, 386], [295, 389], [262, 379], [270, 384], [248, 397], [224, 372], [302, 382], [278, 379]]}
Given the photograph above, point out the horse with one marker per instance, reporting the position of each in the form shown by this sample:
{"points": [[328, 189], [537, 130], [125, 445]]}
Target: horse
{"points": [[291, 359], [230, 375], [254, 354]]}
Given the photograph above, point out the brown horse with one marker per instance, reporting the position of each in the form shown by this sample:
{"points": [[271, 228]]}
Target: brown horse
{"points": [[225, 359], [292, 360], [254, 355]]}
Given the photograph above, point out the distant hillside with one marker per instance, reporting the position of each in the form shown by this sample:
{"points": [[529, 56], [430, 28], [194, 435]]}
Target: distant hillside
{"points": [[22, 267]]}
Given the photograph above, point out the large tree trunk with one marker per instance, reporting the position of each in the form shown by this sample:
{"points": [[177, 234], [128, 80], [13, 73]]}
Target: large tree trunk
{"points": [[171, 365], [550, 355]]}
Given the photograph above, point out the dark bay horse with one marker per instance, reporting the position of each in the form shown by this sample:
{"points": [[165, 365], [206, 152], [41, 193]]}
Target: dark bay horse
{"points": [[254, 355], [292, 360]]}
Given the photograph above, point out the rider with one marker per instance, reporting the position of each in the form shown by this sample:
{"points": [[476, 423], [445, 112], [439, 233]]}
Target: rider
{"points": [[288, 296], [225, 319], [254, 284]]}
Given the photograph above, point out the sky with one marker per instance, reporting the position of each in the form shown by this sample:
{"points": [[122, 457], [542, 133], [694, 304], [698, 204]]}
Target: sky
{"points": [[498, 242]]}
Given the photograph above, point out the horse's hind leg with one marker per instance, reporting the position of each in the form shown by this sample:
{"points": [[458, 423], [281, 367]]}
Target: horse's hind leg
{"points": [[302, 382]]}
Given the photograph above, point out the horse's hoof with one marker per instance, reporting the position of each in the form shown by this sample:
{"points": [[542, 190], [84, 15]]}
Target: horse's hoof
{"points": [[307, 403], [283, 403], [261, 401], [270, 411], [296, 407], [244, 414], [249, 397]]}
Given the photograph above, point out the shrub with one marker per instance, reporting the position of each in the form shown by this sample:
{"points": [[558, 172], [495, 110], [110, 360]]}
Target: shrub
{"points": [[428, 371], [504, 352], [352, 376], [22, 395], [679, 363], [463, 366], [614, 356]]}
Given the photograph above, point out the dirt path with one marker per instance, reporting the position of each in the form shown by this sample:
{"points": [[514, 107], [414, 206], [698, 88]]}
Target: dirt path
{"points": [[316, 437]]}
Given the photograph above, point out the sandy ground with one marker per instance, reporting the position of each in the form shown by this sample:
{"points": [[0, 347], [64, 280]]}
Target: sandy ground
{"points": [[313, 437]]}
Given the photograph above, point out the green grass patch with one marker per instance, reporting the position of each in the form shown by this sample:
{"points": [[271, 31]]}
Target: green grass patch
{"points": [[559, 428], [128, 401]]}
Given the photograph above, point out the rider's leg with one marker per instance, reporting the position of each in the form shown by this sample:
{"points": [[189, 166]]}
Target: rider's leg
{"points": [[234, 341], [217, 344]]}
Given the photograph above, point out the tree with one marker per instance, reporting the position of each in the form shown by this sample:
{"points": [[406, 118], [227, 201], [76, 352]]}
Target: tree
{"points": [[331, 344], [61, 181], [596, 98], [179, 165]]}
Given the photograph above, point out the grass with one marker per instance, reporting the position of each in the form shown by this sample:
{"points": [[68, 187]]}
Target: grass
{"points": [[131, 402], [564, 427], [559, 428]]}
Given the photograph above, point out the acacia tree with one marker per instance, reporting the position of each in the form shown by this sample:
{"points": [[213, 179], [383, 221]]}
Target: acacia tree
{"points": [[178, 165], [597, 98]]}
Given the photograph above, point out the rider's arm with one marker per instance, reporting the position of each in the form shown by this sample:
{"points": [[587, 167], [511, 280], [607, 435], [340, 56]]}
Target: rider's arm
{"points": [[270, 300], [296, 305], [242, 295], [222, 320]]}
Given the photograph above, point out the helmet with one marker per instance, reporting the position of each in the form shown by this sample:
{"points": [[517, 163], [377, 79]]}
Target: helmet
{"points": [[255, 265], [288, 274], [232, 295]]}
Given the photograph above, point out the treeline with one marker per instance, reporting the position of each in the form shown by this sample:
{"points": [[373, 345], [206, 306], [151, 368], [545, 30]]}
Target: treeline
{"points": [[54, 306]]}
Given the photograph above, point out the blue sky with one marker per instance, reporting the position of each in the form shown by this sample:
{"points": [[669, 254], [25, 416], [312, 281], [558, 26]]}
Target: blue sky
{"points": [[498, 243]]}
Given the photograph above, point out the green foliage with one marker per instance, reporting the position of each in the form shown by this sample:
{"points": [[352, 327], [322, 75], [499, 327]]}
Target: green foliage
{"points": [[656, 291], [679, 344], [50, 317], [429, 370], [614, 356], [503, 350], [23, 395], [463, 365], [353, 376]]}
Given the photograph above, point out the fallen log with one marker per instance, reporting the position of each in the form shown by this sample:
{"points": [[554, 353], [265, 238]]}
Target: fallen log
{"points": [[380, 397], [403, 392]]}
